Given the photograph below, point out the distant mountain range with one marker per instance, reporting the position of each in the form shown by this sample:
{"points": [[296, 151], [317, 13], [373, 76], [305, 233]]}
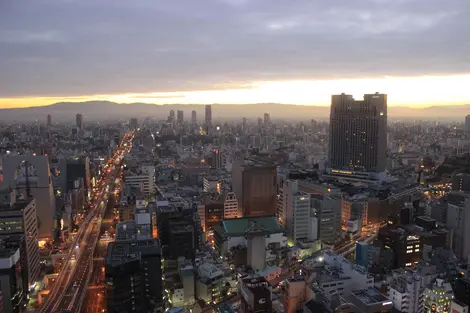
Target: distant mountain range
{"points": [[105, 110]]}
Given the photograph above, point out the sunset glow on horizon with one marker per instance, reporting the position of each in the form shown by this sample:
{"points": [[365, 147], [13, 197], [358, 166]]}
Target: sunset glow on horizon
{"points": [[403, 91]]}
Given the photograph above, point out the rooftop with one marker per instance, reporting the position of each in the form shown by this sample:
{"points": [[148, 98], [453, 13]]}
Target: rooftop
{"points": [[370, 296], [238, 226]]}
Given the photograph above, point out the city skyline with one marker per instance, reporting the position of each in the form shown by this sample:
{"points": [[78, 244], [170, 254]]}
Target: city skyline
{"points": [[233, 51]]}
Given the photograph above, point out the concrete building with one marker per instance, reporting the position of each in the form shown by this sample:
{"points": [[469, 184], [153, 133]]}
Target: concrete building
{"points": [[461, 182], [438, 296], [328, 210], [142, 178], [255, 187], [406, 292], [457, 306], [370, 301], [208, 115], [458, 220], [72, 169], [79, 121], [134, 276], [12, 281], [255, 295], [296, 213], [193, 117], [32, 173], [18, 218], [358, 134], [230, 202], [342, 276]]}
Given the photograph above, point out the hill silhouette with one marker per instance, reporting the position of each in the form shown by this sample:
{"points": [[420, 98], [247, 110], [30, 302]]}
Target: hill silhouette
{"points": [[106, 110]]}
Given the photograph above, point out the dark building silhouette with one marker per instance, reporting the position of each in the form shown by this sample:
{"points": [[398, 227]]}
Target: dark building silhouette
{"points": [[358, 133], [134, 276]]}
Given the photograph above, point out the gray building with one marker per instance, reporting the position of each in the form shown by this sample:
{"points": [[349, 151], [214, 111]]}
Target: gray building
{"points": [[18, 219], [134, 276], [328, 210], [31, 174], [358, 133]]}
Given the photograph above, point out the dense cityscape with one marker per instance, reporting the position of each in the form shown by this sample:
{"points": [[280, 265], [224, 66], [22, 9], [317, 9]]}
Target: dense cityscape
{"points": [[190, 213]]}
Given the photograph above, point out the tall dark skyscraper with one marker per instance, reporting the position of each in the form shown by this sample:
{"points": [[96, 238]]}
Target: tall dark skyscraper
{"points": [[180, 117], [193, 117], [49, 120], [171, 117], [358, 133], [79, 120], [208, 117]]}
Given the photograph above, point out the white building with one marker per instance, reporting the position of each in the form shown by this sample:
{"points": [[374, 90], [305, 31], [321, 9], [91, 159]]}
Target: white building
{"points": [[406, 292], [230, 205], [458, 219], [142, 178], [295, 212], [340, 275]]}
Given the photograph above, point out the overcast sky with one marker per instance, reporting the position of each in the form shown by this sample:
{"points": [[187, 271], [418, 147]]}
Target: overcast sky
{"points": [[64, 48]]}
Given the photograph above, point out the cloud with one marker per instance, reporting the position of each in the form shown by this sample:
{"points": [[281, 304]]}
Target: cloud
{"points": [[56, 47], [22, 36]]}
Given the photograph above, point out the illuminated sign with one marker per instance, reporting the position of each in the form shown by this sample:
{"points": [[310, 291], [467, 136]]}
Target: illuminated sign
{"points": [[342, 172]]}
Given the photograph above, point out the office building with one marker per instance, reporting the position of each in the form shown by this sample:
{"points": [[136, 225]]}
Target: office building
{"points": [[141, 178], [180, 117], [461, 182], [362, 254], [457, 306], [216, 159], [18, 220], [406, 291], [193, 117], [267, 119], [296, 214], [214, 214], [467, 123], [255, 187], [255, 295], [358, 134], [79, 121], [208, 116], [230, 204], [328, 212], [30, 175], [171, 117], [73, 169], [12, 281], [49, 120], [462, 290], [458, 220], [134, 276], [133, 123], [370, 301]]}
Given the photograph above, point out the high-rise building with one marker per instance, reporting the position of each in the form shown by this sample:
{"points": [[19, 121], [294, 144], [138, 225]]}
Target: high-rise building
{"points": [[134, 276], [193, 117], [79, 121], [295, 213], [133, 123], [256, 188], [180, 117], [171, 117], [72, 169], [18, 219], [267, 119], [208, 116], [358, 134], [467, 123], [461, 182], [31, 175], [12, 281], [49, 120]]}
